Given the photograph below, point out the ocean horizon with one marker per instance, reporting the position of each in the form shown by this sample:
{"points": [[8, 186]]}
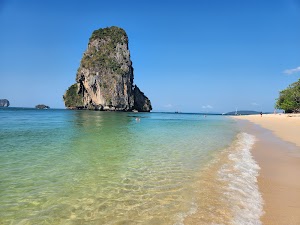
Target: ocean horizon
{"points": [[92, 167]]}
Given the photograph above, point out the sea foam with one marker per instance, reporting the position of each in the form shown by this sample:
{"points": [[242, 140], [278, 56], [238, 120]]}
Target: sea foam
{"points": [[240, 175]]}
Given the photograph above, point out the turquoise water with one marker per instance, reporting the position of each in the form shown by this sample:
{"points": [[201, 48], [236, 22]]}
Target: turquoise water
{"points": [[88, 167]]}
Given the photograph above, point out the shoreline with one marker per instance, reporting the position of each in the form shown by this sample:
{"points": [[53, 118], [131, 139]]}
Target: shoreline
{"points": [[284, 126], [277, 152]]}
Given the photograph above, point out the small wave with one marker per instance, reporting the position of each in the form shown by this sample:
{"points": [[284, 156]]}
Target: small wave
{"points": [[240, 174]]}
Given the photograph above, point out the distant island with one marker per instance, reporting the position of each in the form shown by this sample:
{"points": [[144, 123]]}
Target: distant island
{"points": [[42, 106], [242, 112], [104, 79], [4, 103]]}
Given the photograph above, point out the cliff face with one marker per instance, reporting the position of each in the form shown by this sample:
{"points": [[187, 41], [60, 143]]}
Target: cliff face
{"points": [[104, 80], [141, 102], [4, 103]]}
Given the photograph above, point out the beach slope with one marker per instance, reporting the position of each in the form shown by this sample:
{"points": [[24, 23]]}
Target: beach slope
{"points": [[277, 152]]}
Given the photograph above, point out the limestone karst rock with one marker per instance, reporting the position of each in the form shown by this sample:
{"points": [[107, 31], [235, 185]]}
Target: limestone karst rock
{"points": [[42, 106], [4, 103], [104, 79]]}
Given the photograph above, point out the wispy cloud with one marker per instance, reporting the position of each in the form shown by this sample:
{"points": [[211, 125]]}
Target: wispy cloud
{"points": [[168, 106], [291, 71], [254, 103], [207, 107]]}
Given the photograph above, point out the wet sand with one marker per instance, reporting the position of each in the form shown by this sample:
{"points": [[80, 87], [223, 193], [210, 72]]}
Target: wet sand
{"points": [[277, 152]]}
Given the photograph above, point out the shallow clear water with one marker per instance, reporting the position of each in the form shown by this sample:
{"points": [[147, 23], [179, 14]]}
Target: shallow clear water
{"points": [[88, 167]]}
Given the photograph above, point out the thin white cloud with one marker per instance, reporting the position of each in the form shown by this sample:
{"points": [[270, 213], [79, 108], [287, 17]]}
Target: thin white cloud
{"points": [[207, 107], [254, 103], [168, 106], [291, 71]]}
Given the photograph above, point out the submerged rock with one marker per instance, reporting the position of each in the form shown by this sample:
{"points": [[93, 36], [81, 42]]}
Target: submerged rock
{"points": [[4, 103], [104, 79]]}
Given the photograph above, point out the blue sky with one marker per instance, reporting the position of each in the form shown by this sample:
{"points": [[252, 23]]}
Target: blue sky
{"points": [[191, 56]]}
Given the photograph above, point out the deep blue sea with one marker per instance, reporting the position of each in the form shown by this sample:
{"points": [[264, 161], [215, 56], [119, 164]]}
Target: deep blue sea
{"points": [[91, 167]]}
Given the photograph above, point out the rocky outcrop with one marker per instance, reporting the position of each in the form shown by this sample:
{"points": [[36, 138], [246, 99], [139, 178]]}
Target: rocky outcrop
{"points": [[42, 106], [104, 79], [4, 103], [141, 102]]}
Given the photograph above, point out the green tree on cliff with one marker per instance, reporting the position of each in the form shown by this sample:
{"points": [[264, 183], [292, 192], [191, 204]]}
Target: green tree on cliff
{"points": [[71, 97], [289, 99]]}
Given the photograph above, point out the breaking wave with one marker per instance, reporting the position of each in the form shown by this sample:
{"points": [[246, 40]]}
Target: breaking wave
{"points": [[241, 189]]}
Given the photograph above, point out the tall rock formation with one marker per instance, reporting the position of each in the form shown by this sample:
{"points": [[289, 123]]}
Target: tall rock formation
{"points": [[104, 79], [4, 103]]}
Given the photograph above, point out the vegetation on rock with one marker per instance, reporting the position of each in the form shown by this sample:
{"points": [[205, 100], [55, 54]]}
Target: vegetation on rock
{"points": [[72, 98], [42, 106], [113, 34], [141, 102], [289, 98], [104, 57], [105, 75]]}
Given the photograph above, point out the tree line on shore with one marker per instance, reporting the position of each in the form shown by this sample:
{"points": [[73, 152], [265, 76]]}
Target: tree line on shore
{"points": [[289, 98]]}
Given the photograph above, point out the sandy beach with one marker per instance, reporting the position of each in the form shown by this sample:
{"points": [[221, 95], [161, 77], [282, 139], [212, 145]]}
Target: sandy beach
{"points": [[285, 126], [277, 152]]}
